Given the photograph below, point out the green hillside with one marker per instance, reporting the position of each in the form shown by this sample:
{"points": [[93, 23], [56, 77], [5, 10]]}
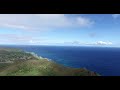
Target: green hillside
{"points": [[20, 63]]}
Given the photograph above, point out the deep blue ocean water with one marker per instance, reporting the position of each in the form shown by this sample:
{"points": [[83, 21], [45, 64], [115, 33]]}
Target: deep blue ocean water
{"points": [[105, 61]]}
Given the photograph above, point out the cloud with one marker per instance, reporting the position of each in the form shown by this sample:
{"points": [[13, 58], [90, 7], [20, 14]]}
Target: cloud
{"points": [[75, 42], [18, 39], [14, 39], [115, 16], [14, 36], [98, 43], [38, 23], [84, 21], [88, 43], [103, 43], [72, 43], [35, 41], [42, 21]]}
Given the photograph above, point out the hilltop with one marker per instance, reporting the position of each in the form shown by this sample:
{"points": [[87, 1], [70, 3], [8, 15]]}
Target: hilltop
{"points": [[15, 62]]}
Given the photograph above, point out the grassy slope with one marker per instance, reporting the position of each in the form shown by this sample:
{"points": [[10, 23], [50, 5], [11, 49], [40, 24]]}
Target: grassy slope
{"points": [[41, 67]]}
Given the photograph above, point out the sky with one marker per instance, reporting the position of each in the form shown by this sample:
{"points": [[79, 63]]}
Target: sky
{"points": [[60, 29]]}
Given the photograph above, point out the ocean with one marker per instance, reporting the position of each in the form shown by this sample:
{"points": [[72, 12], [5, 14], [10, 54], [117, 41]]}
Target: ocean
{"points": [[103, 60]]}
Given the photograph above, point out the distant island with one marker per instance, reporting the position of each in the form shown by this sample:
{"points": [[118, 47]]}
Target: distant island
{"points": [[16, 62]]}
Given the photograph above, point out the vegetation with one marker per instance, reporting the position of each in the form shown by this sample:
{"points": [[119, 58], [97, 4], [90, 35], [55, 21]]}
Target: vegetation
{"points": [[29, 64], [11, 55]]}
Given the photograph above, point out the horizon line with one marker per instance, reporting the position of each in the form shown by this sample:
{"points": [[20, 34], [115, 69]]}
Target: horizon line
{"points": [[56, 45]]}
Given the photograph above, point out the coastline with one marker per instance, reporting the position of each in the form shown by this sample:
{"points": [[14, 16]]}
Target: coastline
{"points": [[37, 56], [39, 66], [40, 57]]}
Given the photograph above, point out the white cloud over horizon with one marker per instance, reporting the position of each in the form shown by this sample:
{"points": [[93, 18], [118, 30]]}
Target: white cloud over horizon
{"points": [[89, 43], [16, 39], [103, 43]]}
